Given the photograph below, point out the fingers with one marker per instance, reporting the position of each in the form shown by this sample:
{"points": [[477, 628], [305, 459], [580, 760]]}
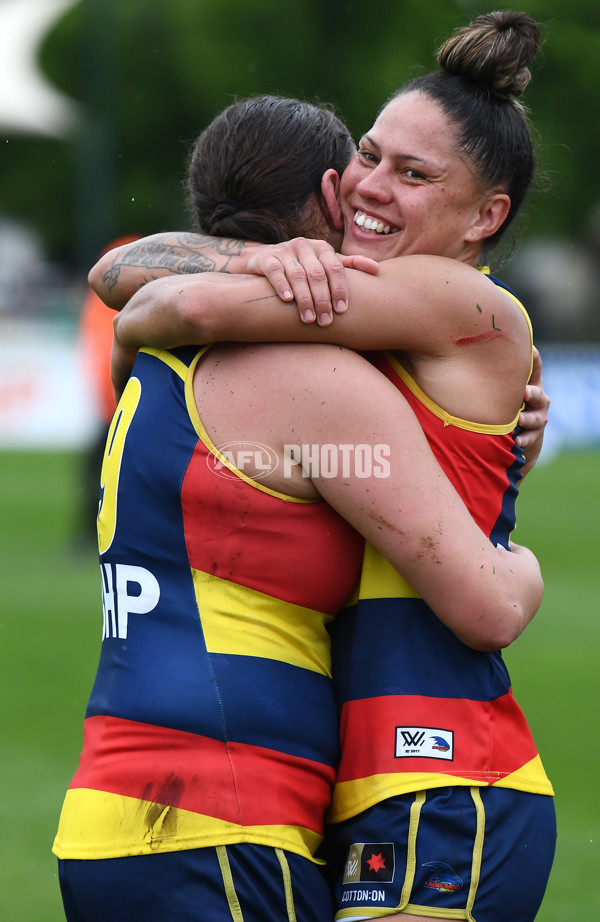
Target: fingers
{"points": [[536, 398], [307, 271], [531, 432], [534, 416], [310, 273], [269, 262], [323, 289], [536, 371], [318, 281], [533, 420], [361, 263]]}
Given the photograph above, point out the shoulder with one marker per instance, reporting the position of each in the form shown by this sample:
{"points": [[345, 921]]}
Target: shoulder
{"points": [[286, 379], [449, 278], [270, 357]]}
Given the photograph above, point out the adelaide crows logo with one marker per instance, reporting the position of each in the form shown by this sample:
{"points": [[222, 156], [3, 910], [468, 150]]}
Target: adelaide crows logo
{"points": [[440, 743], [443, 878]]}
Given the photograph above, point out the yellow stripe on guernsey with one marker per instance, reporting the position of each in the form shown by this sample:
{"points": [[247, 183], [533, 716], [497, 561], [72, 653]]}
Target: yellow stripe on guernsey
{"points": [[362, 793], [379, 579], [239, 620], [112, 820]]}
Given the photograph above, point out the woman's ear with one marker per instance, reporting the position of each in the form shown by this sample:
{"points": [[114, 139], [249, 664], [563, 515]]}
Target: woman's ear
{"points": [[491, 216], [330, 191]]}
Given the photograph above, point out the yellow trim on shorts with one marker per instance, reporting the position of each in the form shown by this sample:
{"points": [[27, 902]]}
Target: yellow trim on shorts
{"points": [[231, 894], [477, 851], [228, 885], [411, 850], [414, 909], [353, 797], [287, 884]]}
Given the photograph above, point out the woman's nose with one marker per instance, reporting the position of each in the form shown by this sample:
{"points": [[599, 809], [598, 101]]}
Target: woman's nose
{"points": [[375, 184]]}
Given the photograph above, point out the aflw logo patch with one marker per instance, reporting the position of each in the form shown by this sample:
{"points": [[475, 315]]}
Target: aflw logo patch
{"points": [[424, 743], [369, 862]]}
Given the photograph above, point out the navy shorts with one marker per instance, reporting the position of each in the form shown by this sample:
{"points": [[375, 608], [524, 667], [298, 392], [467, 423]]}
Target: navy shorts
{"points": [[253, 883], [472, 853]]}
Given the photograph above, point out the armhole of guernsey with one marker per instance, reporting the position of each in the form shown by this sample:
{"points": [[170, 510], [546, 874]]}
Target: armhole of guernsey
{"points": [[486, 271], [433, 407], [187, 375]]}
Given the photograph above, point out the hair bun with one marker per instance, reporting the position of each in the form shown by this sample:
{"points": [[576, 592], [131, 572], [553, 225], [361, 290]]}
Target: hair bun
{"points": [[495, 50]]}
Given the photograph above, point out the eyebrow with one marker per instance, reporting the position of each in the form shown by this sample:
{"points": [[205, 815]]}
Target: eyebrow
{"points": [[373, 143]]}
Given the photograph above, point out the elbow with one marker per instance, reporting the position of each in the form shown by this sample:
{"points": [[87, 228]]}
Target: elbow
{"points": [[198, 316], [488, 641], [507, 632], [505, 625], [194, 319], [96, 279], [485, 642], [99, 281]]}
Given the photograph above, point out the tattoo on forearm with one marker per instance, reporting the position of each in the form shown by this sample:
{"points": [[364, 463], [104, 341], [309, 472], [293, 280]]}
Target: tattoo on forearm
{"points": [[180, 254]]}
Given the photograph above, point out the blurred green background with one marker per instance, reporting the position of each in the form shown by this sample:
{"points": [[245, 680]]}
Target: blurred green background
{"points": [[133, 82]]}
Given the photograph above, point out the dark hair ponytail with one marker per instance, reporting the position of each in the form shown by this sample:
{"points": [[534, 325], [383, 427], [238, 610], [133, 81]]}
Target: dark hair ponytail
{"points": [[252, 171]]}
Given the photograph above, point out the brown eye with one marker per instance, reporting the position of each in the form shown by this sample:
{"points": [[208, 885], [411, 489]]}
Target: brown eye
{"points": [[365, 154]]}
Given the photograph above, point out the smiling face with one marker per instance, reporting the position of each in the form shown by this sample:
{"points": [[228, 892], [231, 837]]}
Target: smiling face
{"points": [[409, 190]]}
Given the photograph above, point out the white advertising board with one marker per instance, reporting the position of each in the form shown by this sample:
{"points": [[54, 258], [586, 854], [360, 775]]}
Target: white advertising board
{"points": [[45, 397]]}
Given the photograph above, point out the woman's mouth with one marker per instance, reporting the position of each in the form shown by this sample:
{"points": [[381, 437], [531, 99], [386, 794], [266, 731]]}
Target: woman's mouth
{"points": [[374, 225]]}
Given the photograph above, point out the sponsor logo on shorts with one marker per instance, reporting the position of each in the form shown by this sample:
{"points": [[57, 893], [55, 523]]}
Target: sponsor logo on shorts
{"points": [[363, 896], [443, 878], [424, 743], [370, 862]]}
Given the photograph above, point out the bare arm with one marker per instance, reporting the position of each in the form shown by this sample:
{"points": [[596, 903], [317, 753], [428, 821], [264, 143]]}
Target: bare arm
{"points": [[416, 303], [424, 304], [436, 309], [410, 512], [124, 270]]}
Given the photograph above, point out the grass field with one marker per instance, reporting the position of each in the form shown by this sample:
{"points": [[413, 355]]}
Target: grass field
{"points": [[50, 629]]}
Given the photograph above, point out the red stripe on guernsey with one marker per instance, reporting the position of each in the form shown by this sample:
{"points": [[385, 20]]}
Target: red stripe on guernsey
{"points": [[491, 738], [218, 519], [195, 773], [476, 463]]}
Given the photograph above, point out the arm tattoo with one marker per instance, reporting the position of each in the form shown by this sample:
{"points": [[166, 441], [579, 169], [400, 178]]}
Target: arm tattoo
{"points": [[177, 254]]}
